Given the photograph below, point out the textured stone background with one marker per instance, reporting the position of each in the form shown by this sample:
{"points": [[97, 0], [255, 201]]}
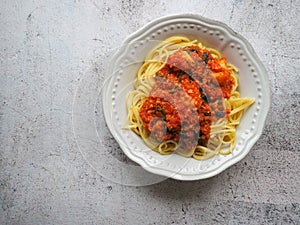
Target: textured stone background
{"points": [[47, 46]]}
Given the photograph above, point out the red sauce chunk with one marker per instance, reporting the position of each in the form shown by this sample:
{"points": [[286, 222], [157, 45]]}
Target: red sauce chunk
{"points": [[186, 97]]}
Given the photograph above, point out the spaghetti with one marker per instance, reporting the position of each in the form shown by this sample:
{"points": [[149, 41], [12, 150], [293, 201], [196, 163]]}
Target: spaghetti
{"points": [[185, 100]]}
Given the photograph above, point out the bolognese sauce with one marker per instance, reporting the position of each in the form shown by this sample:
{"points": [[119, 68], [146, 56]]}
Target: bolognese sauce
{"points": [[184, 100]]}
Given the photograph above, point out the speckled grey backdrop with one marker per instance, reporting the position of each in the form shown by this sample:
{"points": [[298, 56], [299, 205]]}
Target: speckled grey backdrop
{"points": [[47, 46]]}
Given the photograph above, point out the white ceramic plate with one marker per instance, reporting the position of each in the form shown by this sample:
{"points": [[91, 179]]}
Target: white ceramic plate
{"points": [[253, 82]]}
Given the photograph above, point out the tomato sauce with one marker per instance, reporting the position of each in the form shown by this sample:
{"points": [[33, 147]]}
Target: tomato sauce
{"points": [[185, 98]]}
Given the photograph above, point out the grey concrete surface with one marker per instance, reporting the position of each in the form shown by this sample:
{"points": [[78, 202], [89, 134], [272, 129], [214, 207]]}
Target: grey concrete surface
{"points": [[48, 46]]}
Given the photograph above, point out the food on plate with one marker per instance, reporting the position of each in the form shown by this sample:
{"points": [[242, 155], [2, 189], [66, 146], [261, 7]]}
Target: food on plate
{"points": [[186, 100]]}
